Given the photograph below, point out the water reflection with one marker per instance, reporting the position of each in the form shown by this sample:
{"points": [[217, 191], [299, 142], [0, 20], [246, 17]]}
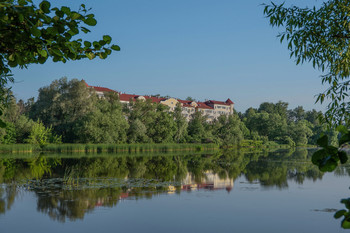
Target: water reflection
{"points": [[69, 187]]}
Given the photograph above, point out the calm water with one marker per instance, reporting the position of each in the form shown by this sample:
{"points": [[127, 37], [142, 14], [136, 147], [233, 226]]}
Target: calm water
{"points": [[224, 192]]}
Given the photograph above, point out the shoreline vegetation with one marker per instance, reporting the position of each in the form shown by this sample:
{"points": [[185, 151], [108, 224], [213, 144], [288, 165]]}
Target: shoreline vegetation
{"points": [[136, 148], [110, 148]]}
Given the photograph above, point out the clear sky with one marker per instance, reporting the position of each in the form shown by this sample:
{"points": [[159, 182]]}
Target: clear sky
{"points": [[206, 49]]}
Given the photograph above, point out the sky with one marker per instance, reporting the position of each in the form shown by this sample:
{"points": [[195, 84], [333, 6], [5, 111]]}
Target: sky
{"points": [[206, 49]]}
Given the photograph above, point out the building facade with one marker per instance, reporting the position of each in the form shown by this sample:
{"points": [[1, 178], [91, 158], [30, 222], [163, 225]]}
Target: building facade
{"points": [[212, 109]]}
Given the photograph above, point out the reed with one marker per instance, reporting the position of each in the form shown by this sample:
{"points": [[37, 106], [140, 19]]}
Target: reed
{"points": [[127, 148], [18, 148]]}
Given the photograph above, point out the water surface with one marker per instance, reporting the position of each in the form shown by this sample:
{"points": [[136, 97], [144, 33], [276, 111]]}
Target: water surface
{"points": [[236, 191]]}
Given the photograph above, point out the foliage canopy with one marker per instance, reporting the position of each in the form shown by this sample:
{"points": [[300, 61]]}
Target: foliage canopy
{"points": [[320, 36]]}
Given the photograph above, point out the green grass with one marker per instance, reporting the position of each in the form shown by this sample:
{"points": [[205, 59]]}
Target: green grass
{"points": [[18, 148]]}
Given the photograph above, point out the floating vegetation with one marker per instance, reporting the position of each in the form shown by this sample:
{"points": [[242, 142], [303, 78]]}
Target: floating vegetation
{"points": [[96, 183]]}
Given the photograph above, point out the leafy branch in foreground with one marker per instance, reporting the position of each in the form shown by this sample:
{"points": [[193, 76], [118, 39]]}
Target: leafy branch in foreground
{"points": [[31, 34], [320, 36]]}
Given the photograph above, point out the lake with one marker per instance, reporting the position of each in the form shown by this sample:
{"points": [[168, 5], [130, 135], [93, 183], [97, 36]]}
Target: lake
{"points": [[234, 191]]}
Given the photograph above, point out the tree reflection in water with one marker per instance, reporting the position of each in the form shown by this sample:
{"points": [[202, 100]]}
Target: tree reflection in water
{"points": [[68, 187]]}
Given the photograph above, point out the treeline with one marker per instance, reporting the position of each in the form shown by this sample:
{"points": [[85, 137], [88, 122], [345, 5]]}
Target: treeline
{"points": [[69, 112]]}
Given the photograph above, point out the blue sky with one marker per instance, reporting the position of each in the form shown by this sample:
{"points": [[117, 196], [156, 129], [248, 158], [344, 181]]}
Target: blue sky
{"points": [[205, 49]]}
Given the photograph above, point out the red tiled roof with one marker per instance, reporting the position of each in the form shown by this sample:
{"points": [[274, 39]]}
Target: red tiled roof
{"points": [[154, 99], [102, 89], [229, 101], [217, 102], [185, 101], [203, 105], [127, 97]]}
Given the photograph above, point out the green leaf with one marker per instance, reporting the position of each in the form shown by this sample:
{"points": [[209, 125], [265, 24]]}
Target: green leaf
{"points": [[344, 139], [57, 52], [87, 44], [332, 150], [75, 15], [42, 52], [42, 60], [52, 30], [2, 124], [66, 10], [339, 214], [103, 55], [90, 55], [108, 51], [90, 21], [13, 63], [102, 42], [115, 47], [323, 141], [59, 13], [318, 156], [342, 156], [346, 223], [328, 164], [107, 39], [22, 2], [96, 45], [45, 6], [85, 30], [12, 57], [35, 32], [342, 129], [21, 18]]}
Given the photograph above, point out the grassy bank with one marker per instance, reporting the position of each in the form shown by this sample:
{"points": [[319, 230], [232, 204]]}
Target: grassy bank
{"points": [[106, 148]]}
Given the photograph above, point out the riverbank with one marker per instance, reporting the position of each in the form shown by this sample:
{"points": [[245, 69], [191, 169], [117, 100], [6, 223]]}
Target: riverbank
{"points": [[110, 148]]}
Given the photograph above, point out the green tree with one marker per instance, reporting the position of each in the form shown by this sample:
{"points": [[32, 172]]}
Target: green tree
{"points": [[181, 124], [106, 124], [137, 132], [196, 127], [300, 132], [62, 105], [271, 125], [163, 127], [41, 135], [230, 130], [297, 114]]}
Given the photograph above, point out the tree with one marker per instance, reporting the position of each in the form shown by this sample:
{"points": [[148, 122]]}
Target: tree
{"points": [[41, 135], [162, 128], [181, 124], [300, 132], [297, 114], [62, 105], [31, 34], [106, 124], [196, 127], [320, 36], [230, 130]]}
